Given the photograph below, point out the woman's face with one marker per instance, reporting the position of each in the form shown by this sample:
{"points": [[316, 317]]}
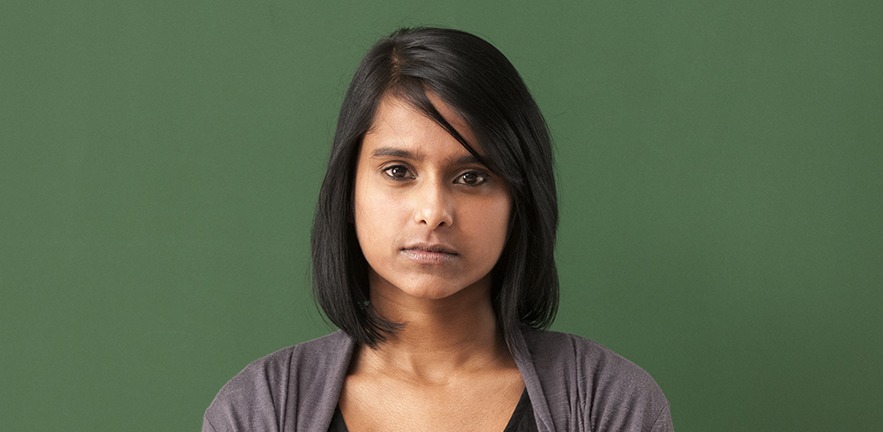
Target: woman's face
{"points": [[431, 220]]}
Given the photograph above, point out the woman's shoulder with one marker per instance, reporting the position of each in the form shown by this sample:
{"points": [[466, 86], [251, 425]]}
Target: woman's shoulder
{"points": [[260, 395], [609, 387], [571, 351], [282, 365]]}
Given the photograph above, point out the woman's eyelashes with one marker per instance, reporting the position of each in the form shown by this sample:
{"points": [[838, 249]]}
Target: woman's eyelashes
{"points": [[399, 173], [472, 178]]}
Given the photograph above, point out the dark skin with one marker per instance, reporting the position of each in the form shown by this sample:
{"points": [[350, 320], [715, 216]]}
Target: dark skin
{"points": [[448, 369], [432, 222]]}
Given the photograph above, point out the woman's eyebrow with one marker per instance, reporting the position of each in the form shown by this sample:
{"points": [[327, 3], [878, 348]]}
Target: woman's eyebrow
{"points": [[467, 160], [384, 152], [392, 152]]}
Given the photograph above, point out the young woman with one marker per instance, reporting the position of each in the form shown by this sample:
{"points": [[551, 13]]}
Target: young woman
{"points": [[433, 252]]}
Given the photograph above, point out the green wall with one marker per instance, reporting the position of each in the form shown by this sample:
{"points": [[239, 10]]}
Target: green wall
{"points": [[720, 178]]}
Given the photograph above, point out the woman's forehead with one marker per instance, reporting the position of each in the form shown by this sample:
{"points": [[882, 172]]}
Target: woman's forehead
{"points": [[400, 130], [395, 114]]}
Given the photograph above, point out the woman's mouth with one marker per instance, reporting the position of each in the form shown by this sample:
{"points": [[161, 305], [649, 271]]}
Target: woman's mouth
{"points": [[429, 253]]}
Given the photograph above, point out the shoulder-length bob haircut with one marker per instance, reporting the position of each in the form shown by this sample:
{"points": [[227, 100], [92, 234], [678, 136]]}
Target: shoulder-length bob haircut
{"points": [[480, 84]]}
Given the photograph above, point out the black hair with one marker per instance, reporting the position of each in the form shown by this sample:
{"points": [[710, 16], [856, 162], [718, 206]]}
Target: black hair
{"points": [[483, 87]]}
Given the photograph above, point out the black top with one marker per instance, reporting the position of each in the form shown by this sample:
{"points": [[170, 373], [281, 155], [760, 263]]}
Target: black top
{"points": [[521, 421]]}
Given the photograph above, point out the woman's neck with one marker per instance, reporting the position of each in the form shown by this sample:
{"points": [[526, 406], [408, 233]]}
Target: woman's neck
{"points": [[440, 337]]}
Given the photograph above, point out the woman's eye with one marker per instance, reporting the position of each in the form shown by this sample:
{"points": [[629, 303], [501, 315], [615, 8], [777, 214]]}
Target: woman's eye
{"points": [[472, 178], [397, 172]]}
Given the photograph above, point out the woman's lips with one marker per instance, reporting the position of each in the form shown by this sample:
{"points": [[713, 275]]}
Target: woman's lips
{"points": [[430, 253]]}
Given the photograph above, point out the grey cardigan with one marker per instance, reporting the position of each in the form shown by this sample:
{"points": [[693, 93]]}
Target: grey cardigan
{"points": [[574, 384]]}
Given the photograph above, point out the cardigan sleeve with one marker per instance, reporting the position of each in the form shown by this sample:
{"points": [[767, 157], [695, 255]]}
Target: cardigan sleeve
{"points": [[292, 390], [253, 399], [588, 387], [663, 421]]}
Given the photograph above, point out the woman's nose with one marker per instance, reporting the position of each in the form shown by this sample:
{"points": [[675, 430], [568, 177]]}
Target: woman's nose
{"points": [[434, 207]]}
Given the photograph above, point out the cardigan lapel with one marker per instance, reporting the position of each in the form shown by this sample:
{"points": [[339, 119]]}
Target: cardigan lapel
{"points": [[317, 393], [532, 383]]}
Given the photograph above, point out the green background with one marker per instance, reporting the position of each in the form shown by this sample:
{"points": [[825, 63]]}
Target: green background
{"points": [[719, 170]]}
